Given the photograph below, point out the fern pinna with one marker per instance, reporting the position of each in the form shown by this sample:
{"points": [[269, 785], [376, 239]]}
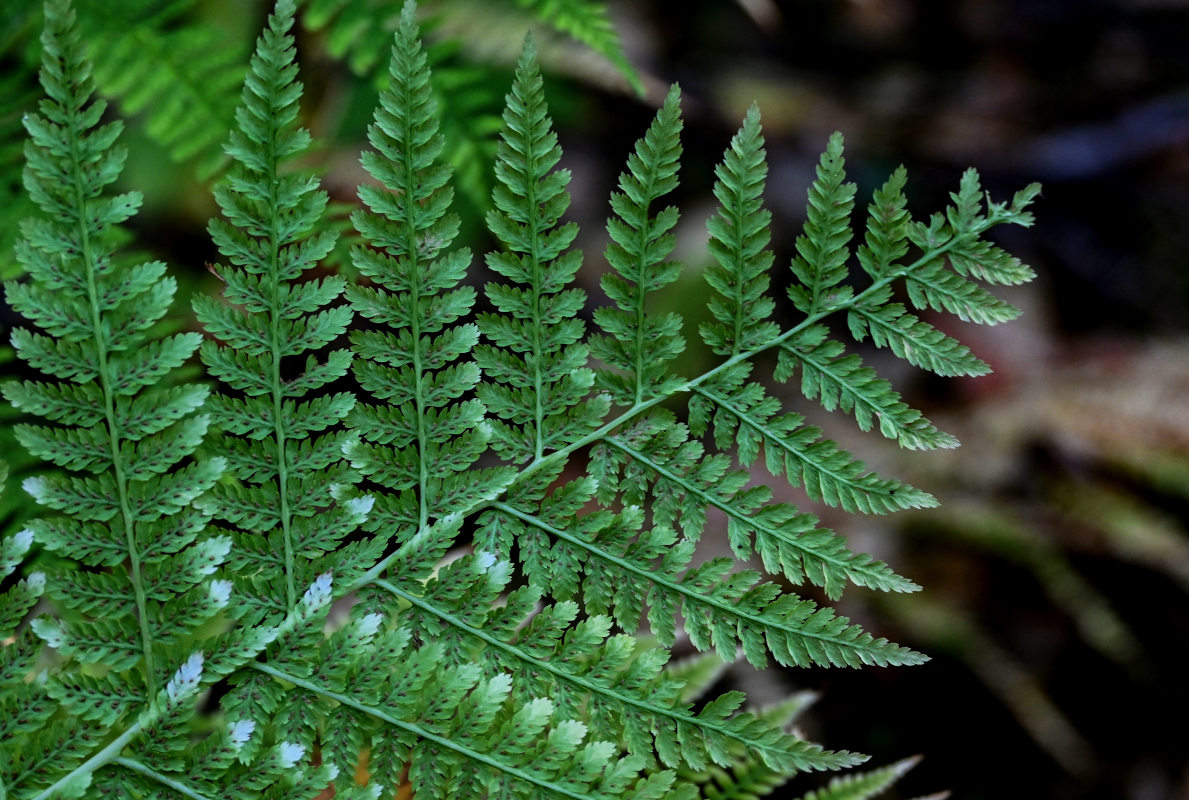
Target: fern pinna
{"points": [[506, 504]]}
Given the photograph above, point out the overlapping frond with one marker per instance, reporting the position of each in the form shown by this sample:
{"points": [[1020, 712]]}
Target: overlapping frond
{"points": [[132, 586], [25, 708], [277, 430], [587, 21], [863, 785], [16, 601], [182, 78], [748, 777], [360, 30]]}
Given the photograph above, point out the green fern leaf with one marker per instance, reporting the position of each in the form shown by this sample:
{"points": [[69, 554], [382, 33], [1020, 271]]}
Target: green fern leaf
{"points": [[586, 21], [887, 228], [822, 249], [721, 610], [276, 442], [439, 674], [745, 412], [16, 601], [638, 344], [863, 785], [841, 380], [152, 601], [653, 464], [25, 707], [913, 340], [422, 443], [739, 238], [455, 728], [619, 689], [535, 365]]}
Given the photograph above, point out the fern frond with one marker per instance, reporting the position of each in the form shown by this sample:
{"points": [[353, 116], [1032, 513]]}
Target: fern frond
{"points": [[21, 596], [838, 379], [743, 412], [275, 438], [360, 30], [587, 21], [423, 441], [438, 675], [182, 79], [638, 344], [454, 728], [653, 463], [25, 707], [121, 443], [538, 382]]}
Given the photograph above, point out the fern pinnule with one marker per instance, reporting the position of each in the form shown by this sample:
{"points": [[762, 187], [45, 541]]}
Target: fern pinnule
{"points": [[538, 381], [275, 437], [125, 436], [420, 441], [637, 344], [822, 252], [739, 237]]}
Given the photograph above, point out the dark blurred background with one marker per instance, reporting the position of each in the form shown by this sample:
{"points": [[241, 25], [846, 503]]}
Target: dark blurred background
{"points": [[1056, 572]]}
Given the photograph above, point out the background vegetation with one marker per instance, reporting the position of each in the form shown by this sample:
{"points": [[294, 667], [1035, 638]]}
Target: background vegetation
{"points": [[1056, 571]]}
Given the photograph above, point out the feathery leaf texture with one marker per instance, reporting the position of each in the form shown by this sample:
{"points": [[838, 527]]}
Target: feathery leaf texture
{"points": [[422, 437], [500, 535], [361, 30], [863, 785], [538, 384], [288, 468], [637, 345], [142, 590]]}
